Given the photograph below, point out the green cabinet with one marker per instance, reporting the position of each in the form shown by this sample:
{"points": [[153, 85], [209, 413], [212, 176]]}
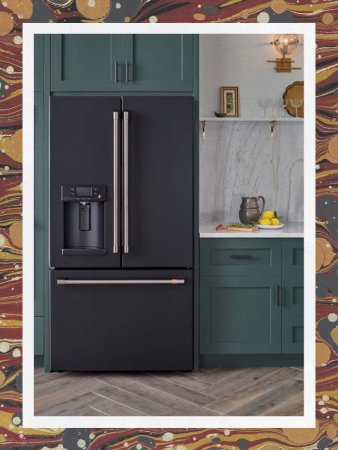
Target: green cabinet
{"points": [[251, 296], [293, 295], [39, 254], [38, 62], [122, 63], [239, 315]]}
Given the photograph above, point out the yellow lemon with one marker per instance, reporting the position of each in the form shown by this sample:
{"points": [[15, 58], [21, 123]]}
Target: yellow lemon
{"points": [[268, 214], [275, 221], [265, 222]]}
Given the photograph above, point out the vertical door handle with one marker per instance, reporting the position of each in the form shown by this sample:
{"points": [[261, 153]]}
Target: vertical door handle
{"points": [[277, 295], [127, 71], [126, 181], [116, 68], [116, 183]]}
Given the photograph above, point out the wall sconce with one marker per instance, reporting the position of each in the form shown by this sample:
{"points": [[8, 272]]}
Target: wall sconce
{"points": [[285, 44]]}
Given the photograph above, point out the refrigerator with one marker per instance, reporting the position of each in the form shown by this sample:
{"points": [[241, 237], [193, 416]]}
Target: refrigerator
{"points": [[121, 233]]}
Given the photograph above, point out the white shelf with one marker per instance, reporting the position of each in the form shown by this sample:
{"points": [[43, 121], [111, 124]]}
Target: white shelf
{"points": [[251, 119]]}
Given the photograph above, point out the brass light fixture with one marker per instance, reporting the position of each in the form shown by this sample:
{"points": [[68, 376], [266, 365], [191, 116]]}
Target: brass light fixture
{"points": [[285, 44]]}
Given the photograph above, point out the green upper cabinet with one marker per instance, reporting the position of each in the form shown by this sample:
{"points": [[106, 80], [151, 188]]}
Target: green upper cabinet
{"points": [[81, 62], [38, 62], [160, 62], [124, 63]]}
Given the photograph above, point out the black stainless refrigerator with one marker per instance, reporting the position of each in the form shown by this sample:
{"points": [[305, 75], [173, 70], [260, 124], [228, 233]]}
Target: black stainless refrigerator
{"points": [[121, 233]]}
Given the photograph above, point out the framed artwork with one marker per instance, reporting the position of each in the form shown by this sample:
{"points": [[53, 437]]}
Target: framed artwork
{"points": [[230, 101]]}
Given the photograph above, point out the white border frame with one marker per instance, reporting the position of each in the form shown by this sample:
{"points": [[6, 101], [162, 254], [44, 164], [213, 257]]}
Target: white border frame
{"points": [[32, 421]]}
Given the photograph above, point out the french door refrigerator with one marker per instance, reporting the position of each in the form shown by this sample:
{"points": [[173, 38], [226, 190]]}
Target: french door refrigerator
{"points": [[121, 233]]}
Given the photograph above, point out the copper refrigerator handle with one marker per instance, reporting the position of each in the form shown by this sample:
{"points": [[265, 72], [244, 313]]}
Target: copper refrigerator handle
{"points": [[172, 281], [116, 183], [126, 182]]}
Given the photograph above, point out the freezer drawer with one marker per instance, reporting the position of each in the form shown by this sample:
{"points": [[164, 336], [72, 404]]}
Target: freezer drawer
{"points": [[121, 320]]}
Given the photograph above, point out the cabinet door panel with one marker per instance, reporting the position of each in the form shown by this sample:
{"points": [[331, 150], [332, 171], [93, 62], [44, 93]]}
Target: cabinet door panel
{"points": [[38, 336], [39, 207], [293, 295], [239, 316], [157, 62], [85, 62]]}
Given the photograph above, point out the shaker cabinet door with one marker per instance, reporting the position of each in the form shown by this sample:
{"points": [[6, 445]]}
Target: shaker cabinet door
{"points": [[83, 62], [161, 62], [293, 295], [240, 315]]}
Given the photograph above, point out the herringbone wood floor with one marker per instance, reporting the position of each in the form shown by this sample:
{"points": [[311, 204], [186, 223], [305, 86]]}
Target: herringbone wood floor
{"points": [[210, 392]]}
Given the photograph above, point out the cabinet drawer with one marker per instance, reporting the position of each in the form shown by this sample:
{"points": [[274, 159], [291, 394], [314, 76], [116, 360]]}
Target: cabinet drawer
{"points": [[240, 257]]}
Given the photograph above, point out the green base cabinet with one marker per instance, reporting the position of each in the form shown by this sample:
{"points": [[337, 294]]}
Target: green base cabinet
{"points": [[128, 63], [239, 315], [251, 298], [293, 296]]}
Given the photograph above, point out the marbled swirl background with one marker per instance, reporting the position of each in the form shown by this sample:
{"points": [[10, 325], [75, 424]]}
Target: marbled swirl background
{"points": [[243, 159], [12, 14]]}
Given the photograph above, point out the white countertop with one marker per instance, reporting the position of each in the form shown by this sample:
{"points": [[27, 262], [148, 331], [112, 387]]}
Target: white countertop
{"points": [[290, 230]]}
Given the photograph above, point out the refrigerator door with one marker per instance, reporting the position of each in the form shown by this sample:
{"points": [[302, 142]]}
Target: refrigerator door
{"points": [[157, 207], [121, 320], [85, 181]]}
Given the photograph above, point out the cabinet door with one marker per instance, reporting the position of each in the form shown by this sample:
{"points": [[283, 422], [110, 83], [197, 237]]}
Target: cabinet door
{"points": [[292, 295], [157, 62], [83, 62], [240, 315]]}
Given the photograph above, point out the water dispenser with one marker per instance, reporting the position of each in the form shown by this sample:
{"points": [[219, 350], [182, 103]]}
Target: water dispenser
{"points": [[84, 219]]}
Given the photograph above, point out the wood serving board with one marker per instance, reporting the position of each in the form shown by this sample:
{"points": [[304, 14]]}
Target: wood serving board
{"points": [[234, 228]]}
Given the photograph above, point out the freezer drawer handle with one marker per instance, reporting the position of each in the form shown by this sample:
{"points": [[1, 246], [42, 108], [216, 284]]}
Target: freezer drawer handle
{"points": [[116, 182], [126, 182], [172, 281]]}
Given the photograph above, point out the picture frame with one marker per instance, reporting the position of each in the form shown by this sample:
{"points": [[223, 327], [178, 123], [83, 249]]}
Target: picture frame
{"points": [[230, 100]]}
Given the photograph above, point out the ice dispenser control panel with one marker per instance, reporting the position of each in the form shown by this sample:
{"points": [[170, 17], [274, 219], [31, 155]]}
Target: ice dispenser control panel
{"points": [[88, 193]]}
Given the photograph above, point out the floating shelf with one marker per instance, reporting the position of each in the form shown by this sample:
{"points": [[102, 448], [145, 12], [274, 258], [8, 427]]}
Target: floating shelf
{"points": [[251, 119]]}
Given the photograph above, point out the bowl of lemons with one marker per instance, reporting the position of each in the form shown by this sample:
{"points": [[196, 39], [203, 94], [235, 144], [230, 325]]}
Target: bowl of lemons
{"points": [[270, 220]]}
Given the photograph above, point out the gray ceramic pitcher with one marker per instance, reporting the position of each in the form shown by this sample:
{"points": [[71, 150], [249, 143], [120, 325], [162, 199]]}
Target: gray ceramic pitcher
{"points": [[249, 210]]}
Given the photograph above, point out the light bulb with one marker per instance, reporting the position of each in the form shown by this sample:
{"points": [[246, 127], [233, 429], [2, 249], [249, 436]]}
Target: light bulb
{"points": [[285, 43]]}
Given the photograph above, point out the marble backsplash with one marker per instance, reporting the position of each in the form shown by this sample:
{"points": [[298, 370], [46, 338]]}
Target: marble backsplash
{"points": [[242, 159]]}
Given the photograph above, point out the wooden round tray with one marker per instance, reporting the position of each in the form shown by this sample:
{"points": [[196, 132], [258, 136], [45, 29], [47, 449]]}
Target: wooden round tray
{"points": [[294, 91]]}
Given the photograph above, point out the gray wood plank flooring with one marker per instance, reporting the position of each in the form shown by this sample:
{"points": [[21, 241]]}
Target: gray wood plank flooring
{"points": [[260, 391]]}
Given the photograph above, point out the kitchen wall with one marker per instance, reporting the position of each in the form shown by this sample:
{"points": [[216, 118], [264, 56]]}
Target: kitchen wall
{"points": [[242, 159], [241, 60]]}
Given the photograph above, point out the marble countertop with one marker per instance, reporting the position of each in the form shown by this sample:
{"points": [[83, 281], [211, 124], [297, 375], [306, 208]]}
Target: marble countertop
{"points": [[290, 230]]}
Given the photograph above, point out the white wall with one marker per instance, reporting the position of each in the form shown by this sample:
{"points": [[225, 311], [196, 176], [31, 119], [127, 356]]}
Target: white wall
{"points": [[241, 60]]}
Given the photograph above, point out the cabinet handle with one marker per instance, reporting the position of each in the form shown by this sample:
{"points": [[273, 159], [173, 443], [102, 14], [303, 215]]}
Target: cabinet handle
{"points": [[116, 68], [277, 295], [127, 71], [240, 256], [172, 281], [116, 182]]}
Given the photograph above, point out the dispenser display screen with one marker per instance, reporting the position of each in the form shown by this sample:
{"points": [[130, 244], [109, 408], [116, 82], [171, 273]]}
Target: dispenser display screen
{"points": [[84, 191]]}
